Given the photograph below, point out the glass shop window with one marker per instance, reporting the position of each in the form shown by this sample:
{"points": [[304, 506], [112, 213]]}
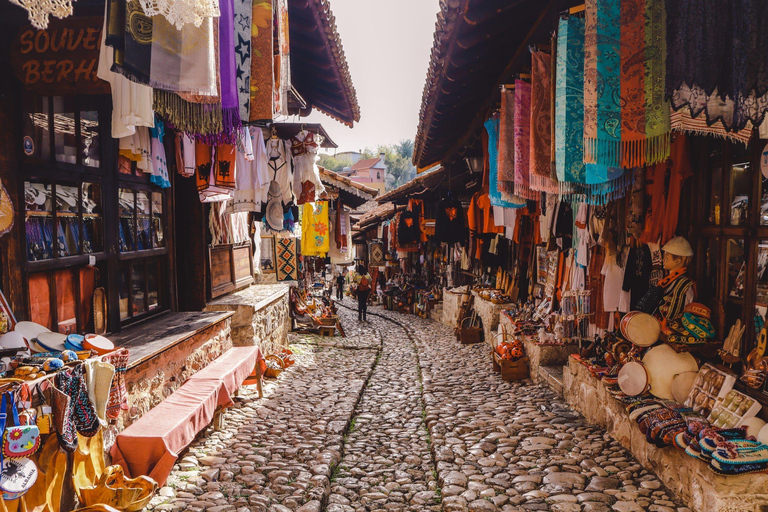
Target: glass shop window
{"points": [[141, 220], [140, 291]]}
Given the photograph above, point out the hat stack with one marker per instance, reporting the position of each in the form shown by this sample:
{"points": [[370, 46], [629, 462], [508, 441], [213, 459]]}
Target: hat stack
{"points": [[693, 328]]}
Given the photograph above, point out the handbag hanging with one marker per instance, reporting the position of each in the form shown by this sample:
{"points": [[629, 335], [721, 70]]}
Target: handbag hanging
{"points": [[18, 440]]}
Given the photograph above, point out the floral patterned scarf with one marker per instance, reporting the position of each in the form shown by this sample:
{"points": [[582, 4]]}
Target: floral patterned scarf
{"points": [[541, 124]]}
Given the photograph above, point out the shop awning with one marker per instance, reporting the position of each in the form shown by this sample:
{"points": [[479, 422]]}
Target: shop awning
{"points": [[419, 184], [352, 194], [478, 45], [319, 70]]}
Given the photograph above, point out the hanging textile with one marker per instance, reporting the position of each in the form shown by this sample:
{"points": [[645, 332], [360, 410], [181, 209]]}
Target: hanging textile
{"points": [[205, 170], [718, 48], [450, 225], [376, 254], [282, 60], [262, 67], [179, 13], [523, 140], [253, 175], [506, 157], [243, 20], [341, 255], [498, 197], [280, 165], [202, 121], [683, 122], [230, 107], [153, 52], [541, 124], [602, 83], [159, 174], [286, 259], [185, 155], [569, 101], [306, 175], [315, 239]]}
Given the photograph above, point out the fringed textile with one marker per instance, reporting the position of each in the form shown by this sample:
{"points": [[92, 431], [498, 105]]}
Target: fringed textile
{"points": [[506, 161], [230, 108], [243, 17], [684, 123], [202, 121], [541, 124], [569, 102], [523, 140], [498, 196]]}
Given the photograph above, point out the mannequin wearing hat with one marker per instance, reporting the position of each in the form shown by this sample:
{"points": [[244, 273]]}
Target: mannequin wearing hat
{"points": [[676, 290]]}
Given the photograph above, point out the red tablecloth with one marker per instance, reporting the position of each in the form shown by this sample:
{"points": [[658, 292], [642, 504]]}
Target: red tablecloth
{"points": [[151, 445]]}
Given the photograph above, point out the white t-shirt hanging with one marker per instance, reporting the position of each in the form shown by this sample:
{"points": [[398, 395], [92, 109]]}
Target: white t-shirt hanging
{"points": [[614, 278]]}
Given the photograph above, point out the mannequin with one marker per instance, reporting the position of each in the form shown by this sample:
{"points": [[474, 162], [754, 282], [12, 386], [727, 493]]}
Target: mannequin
{"points": [[667, 300]]}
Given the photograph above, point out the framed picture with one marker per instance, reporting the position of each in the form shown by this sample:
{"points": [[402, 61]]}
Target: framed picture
{"points": [[7, 320], [267, 261]]}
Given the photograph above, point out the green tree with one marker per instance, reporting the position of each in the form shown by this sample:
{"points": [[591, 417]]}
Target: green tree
{"points": [[332, 163]]}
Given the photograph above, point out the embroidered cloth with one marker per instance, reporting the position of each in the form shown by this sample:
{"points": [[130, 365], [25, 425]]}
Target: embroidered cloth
{"points": [[523, 140], [541, 124]]}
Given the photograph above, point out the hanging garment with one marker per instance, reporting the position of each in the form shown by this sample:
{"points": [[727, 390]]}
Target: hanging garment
{"points": [[682, 122], [315, 239], [243, 10], [282, 58], [131, 102], [153, 52], [224, 175], [344, 255], [523, 140], [408, 229], [541, 124], [138, 148], [230, 103], [306, 175], [280, 167], [613, 280], [185, 155], [479, 215], [450, 226], [159, 174], [253, 175], [179, 13], [498, 195], [637, 275], [205, 171], [564, 226]]}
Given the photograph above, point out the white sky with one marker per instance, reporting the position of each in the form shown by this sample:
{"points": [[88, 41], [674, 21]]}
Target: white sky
{"points": [[387, 45]]}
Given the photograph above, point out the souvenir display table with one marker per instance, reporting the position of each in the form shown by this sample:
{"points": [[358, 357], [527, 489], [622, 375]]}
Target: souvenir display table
{"points": [[489, 313], [689, 478], [540, 354]]}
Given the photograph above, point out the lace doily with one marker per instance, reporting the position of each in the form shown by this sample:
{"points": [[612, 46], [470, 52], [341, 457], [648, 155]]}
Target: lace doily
{"points": [[40, 10], [181, 12]]}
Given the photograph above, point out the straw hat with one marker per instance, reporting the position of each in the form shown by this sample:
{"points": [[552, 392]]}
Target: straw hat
{"points": [[678, 246], [274, 215], [98, 378]]}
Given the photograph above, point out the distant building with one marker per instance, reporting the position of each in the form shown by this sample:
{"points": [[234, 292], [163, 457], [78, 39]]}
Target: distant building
{"points": [[354, 156], [371, 171]]}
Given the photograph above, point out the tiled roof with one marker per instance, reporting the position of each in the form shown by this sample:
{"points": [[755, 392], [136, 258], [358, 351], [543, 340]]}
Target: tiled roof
{"points": [[352, 187], [365, 164]]}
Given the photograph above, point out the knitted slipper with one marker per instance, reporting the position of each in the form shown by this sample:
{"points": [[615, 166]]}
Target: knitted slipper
{"points": [[86, 419], [741, 452], [737, 469], [63, 419]]}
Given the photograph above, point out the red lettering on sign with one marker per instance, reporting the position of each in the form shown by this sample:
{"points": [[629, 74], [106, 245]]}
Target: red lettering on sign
{"points": [[65, 68], [31, 72], [85, 69], [25, 39], [42, 39]]}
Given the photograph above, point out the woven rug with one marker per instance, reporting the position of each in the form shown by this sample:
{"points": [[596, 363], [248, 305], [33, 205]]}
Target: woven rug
{"points": [[376, 255], [287, 265]]}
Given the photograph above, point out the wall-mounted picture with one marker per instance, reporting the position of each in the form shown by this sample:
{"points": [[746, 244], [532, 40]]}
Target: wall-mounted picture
{"points": [[7, 320], [267, 262]]}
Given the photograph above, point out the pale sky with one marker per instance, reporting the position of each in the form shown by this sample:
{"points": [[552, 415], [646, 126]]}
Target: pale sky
{"points": [[387, 45]]}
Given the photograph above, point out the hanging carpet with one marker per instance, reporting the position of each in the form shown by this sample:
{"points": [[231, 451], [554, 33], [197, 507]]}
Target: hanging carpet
{"points": [[286, 259]]}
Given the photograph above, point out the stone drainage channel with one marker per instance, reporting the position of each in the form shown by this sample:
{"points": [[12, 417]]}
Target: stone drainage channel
{"points": [[399, 416]]}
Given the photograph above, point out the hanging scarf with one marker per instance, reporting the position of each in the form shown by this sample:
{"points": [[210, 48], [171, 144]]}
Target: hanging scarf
{"points": [[523, 140], [200, 120], [314, 229], [228, 69], [506, 160], [541, 124], [498, 196], [282, 58], [602, 83], [262, 66], [153, 52], [243, 20], [569, 101], [682, 121], [645, 120]]}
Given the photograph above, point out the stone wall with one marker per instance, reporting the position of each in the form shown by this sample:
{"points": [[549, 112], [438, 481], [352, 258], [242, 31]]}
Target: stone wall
{"points": [[541, 355], [689, 478], [489, 313], [150, 382], [451, 303], [261, 321]]}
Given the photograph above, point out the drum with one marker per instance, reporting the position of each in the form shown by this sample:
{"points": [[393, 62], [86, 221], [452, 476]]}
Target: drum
{"points": [[30, 330], [17, 476], [663, 365], [13, 339], [52, 341], [98, 344], [682, 385], [633, 379], [640, 328]]}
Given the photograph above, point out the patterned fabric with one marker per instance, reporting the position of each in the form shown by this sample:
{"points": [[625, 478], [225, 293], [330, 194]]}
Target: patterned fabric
{"points": [[541, 124], [569, 101], [243, 16], [72, 384], [682, 121], [376, 254], [118, 396], [228, 68], [282, 85], [506, 158], [262, 68], [315, 240], [645, 120], [498, 196], [602, 77], [286, 259], [523, 140]]}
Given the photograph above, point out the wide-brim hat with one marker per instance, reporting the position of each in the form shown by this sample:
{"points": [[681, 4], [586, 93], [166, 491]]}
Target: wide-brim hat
{"points": [[678, 246], [274, 215]]}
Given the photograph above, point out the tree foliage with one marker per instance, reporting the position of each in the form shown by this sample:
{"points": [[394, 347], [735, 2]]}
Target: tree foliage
{"points": [[397, 157], [334, 164]]}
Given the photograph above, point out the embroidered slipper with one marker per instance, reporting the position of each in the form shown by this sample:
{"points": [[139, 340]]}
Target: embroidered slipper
{"points": [[86, 419], [62, 419], [741, 452], [682, 440], [740, 469]]}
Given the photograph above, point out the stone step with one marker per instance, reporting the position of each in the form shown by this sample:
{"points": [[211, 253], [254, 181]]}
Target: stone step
{"points": [[552, 376]]}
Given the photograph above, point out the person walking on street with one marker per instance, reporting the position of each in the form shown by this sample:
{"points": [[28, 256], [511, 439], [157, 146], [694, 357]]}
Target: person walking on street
{"points": [[364, 286], [340, 286]]}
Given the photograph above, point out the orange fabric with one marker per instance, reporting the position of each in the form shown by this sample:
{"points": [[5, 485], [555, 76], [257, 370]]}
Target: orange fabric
{"points": [[151, 445], [225, 166], [202, 166], [480, 215]]}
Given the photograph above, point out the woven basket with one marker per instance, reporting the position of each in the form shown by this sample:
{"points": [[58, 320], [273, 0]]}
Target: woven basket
{"points": [[271, 372]]}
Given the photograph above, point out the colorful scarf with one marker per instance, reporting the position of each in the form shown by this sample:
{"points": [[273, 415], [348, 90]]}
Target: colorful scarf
{"points": [[569, 102], [498, 196], [523, 140], [541, 124], [228, 68], [645, 123], [682, 121], [602, 83], [315, 229], [262, 67], [282, 85], [506, 160], [243, 17]]}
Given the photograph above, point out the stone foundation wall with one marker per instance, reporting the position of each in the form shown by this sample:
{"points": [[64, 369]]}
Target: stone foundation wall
{"points": [[263, 325], [150, 382], [689, 478], [541, 355], [489, 312], [451, 304]]}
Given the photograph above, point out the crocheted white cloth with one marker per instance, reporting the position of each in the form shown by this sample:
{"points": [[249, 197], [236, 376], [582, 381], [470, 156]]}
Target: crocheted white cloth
{"points": [[40, 10], [181, 12]]}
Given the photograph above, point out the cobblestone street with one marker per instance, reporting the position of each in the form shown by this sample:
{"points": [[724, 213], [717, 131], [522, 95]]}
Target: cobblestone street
{"points": [[399, 416]]}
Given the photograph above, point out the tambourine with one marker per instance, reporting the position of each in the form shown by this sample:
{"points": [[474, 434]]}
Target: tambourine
{"points": [[633, 379], [17, 476], [640, 328], [98, 344]]}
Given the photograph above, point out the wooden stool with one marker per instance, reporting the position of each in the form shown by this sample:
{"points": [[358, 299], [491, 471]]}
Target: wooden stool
{"points": [[327, 330]]}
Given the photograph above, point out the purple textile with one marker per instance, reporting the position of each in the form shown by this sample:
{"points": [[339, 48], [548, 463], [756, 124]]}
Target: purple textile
{"points": [[227, 66]]}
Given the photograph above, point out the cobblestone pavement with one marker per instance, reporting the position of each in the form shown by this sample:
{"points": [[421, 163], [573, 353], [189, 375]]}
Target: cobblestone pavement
{"points": [[399, 416]]}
